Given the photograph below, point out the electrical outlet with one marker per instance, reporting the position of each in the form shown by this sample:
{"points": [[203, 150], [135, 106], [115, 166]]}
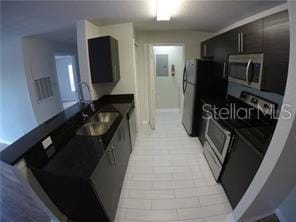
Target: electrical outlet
{"points": [[47, 143]]}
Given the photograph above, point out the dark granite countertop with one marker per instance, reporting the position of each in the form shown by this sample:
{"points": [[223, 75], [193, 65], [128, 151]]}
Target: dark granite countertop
{"points": [[81, 154], [257, 137], [61, 127]]}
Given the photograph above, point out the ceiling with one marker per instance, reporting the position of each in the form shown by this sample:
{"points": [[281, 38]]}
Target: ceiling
{"points": [[57, 19]]}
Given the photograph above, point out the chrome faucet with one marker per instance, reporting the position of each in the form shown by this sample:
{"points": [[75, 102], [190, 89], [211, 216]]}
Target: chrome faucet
{"points": [[82, 100]]}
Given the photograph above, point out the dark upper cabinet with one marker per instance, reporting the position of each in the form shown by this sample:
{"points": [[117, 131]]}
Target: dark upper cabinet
{"points": [[269, 36], [208, 48], [104, 59], [225, 45], [251, 37], [276, 52], [203, 49]]}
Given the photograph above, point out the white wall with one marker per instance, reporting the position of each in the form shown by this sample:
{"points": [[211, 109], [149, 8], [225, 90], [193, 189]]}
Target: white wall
{"points": [[14, 93], [276, 176], [16, 110], [124, 33], [39, 62], [86, 30], [169, 88], [191, 41]]}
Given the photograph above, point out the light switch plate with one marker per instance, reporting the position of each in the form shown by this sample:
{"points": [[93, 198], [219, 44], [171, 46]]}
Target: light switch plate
{"points": [[46, 143]]}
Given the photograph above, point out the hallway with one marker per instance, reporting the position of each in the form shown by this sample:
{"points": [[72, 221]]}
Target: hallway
{"points": [[168, 178]]}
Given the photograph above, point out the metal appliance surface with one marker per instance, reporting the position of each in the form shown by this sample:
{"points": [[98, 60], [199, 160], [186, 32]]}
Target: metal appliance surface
{"points": [[246, 69], [93, 129], [220, 132], [215, 165], [189, 90], [197, 78], [104, 117], [132, 125], [219, 138]]}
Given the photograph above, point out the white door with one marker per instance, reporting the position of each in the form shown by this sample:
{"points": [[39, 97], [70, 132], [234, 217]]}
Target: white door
{"points": [[150, 74]]}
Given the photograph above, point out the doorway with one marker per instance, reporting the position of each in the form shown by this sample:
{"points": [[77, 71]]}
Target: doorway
{"points": [[164, 69], [169, 65], [67, 79]]}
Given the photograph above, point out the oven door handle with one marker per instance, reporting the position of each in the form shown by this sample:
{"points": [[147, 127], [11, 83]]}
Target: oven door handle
{"points": [[247, 71], [215, 159]]}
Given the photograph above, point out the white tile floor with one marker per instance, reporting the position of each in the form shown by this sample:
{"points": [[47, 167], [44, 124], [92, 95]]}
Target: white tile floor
{"points": [[168, 178]]}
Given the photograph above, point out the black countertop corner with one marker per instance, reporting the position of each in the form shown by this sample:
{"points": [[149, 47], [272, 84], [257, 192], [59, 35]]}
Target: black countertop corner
{"points": [[62, 127]]}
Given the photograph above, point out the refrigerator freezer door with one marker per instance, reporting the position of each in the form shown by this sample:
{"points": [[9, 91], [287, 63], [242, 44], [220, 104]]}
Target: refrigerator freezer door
{"points": [[191, 71], [188, 110]]}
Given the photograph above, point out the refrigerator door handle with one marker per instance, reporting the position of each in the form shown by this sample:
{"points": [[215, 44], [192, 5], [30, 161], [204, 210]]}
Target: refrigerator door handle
{"points": [[184, 80]]}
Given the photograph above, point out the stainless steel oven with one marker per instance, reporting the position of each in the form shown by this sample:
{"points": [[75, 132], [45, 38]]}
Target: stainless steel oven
{"points": [[246, 69], [218, 142]]}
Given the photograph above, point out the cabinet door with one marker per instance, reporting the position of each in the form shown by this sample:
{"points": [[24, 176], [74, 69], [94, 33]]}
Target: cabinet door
{"points": [[252, 37], [276, 52], [115, 59], [104, 59], [105, 181], [208, 48], [239, 170], [123, 149], [203, 49], [225, 45]]}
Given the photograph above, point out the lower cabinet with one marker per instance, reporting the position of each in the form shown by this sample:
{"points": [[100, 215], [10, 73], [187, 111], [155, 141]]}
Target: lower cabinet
{"points": [[107, 178], [96, 196], [240, 169]]}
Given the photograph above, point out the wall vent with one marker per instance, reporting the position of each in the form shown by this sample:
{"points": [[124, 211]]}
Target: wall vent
{"points": [[43, 88]]}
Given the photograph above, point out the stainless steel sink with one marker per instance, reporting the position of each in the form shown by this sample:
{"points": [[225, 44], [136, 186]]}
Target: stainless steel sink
{"points": [[93, 129], [104, 117]]}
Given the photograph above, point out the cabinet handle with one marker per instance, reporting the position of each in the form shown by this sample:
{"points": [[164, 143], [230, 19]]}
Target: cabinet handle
{"points": [[113, 155], [247, 71], [114, 71], [238, 42], [205, 50], [224, 70], [242, 41]]}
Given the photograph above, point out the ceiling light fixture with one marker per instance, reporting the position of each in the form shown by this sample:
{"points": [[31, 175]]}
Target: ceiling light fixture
{"points": [[163, 10]]}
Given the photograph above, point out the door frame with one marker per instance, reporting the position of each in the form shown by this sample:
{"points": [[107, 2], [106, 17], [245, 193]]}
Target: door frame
{"points": [[149, 66]]}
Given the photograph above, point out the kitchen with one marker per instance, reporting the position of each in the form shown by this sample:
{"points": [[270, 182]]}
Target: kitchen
{"points": [[102, 150]]}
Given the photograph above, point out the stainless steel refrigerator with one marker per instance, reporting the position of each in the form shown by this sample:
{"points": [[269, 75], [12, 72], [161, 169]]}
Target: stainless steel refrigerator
{"points": [[199, 81]]}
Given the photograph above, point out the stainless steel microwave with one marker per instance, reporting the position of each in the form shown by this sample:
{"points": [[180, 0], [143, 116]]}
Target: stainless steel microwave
{"points": [[246, 69]]}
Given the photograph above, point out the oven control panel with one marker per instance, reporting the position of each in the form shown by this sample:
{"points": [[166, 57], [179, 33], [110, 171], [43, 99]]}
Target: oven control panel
{"points": [[261, 104]]}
